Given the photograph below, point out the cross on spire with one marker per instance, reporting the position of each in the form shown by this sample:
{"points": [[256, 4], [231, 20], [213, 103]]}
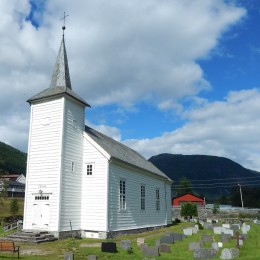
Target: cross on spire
{"points": [[63, 18]]}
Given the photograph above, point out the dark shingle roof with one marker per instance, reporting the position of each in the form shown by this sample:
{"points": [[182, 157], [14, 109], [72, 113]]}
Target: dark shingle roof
{"points": [[60, 81], [122, 152]]}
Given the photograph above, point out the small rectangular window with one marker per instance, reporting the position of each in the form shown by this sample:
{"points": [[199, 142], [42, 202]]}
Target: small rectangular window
{"points": [[142, 197], [73, 166], [89, 168], [122, 197], [157, 199]]}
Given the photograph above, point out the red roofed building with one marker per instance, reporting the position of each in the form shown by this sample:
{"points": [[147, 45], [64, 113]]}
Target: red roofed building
{"points": [[188, 197]]}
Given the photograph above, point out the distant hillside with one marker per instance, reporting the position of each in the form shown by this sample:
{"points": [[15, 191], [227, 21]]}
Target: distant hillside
{"points": [[204, 167], [12, 161]]}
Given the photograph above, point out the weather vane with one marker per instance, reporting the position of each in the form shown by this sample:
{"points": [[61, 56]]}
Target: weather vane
{"points": [[64, 17]]}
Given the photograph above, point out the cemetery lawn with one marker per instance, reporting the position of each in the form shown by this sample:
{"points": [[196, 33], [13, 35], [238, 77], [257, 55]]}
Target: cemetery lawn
{"points": [[179, 250]]}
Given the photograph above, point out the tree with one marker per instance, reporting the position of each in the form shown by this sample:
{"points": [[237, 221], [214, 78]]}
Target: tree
{"points": [[14, 207], [184, 186], [189, 210], [215, 209]]}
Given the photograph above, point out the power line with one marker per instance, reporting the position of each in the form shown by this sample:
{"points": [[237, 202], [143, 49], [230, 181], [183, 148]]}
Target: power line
{"points": [[217, 183], [235, 178]]}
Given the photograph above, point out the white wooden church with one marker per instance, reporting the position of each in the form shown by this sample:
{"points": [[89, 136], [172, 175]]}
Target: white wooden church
{"points": [[80, 180]]}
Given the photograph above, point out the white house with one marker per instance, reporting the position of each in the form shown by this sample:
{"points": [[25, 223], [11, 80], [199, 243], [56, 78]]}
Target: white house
{"points": [[79, 179]]}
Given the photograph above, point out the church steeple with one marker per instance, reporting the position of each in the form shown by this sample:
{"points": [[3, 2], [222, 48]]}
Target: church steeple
{"points": [[60, 81], [61, 75]]}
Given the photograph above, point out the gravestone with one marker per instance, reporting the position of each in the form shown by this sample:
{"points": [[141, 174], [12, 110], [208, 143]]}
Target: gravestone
{"points": [[226, 225], [109, 247], [165, 249], [215, 246], [224, 238], [229, 253], [220, 244], [245, 228], [228, 231], [68, 256], [217, 230], [257, 221], [194, 245], [151, 251], [125, 244], [235, 227], [140, 241], [142, 246], [194, 230], [92, 257], [177, 236], [208, 226], [187, 231], [206, 238], [167, 239], [204, 253]]}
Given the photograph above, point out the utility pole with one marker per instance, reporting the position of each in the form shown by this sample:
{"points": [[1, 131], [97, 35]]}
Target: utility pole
{"points": [[241, 196]]}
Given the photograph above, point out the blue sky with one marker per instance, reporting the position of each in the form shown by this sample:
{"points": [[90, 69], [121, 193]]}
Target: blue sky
{"points": [[161, 76]]}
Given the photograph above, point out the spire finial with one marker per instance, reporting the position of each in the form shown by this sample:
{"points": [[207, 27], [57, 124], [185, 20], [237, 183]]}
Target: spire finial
{"points": [[63, 18]]}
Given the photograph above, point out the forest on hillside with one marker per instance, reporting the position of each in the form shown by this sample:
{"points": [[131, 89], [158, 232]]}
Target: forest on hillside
{"points": [[12, 161]]}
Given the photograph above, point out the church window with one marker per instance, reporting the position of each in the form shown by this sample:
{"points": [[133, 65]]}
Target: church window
{"points": [[142, 197], [122, 195], [157, 199], [73, 166], [90, 168]]}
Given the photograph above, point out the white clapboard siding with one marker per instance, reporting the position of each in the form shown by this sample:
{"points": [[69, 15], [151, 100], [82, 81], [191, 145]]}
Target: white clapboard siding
{"points": [[71, 178], [133, 217], [43, 162], [94, 189]]}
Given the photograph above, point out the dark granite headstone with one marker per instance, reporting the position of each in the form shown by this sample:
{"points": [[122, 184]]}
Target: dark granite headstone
{"points": [[68, 256], [151, 251], [125, 244], [177, 237], [109, 247], [167, 239], [165, 248], [204, 253]]}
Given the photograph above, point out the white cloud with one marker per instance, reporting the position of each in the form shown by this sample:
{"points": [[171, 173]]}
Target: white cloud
{"points": [[119, 52], [228, 128]]}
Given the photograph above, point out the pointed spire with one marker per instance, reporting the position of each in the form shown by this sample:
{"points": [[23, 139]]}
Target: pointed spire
{"points": [[61, 75]]}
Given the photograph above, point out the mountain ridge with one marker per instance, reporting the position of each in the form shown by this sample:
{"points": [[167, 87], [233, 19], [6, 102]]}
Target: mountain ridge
{"points": [[223, 173]]}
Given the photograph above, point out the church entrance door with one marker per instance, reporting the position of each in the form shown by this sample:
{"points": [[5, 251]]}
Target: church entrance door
{"points": [[41, 215]]}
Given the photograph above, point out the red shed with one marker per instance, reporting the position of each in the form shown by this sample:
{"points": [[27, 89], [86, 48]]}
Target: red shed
{"points": [[188, 197]]}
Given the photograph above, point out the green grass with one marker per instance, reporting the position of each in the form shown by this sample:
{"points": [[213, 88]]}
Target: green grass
{"points": [[5, 207], [179, 250]]}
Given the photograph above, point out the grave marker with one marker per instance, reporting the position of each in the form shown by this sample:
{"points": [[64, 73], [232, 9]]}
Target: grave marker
{"points": [[151, 251], [165, 248], [204, 253], [68, 256], [125, 244], [109, 247]]}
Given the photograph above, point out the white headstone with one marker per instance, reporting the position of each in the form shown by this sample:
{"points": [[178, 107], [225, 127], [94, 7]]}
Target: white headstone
{"points": [[187, 231]]}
